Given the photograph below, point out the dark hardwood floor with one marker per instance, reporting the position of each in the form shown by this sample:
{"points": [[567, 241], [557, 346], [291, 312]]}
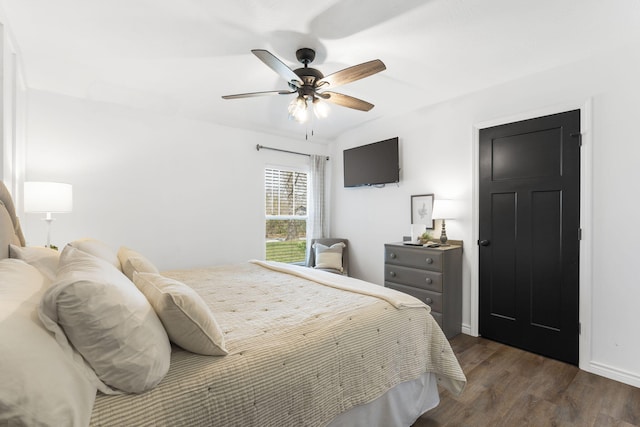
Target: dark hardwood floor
{"points": [[511, 387]]}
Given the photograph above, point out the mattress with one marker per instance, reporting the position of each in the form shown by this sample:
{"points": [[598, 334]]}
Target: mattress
{"points": [[304, 347]]}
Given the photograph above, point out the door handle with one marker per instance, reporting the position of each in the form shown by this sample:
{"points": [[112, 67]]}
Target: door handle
{"points": [[484, 242]]}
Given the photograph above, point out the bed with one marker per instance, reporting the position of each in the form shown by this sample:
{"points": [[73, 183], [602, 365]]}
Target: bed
{"points": [[256, 343]]}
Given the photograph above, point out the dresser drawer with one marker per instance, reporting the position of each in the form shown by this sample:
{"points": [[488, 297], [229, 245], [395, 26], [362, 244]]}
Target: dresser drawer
{"points": [[432, 299], [423, 279], [414, 257]]}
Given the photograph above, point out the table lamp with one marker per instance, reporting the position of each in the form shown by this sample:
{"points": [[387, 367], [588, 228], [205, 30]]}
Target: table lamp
{"points": [[443, 210], [49, 198]]}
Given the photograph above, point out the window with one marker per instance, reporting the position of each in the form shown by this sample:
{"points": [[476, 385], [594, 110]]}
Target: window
{"points": [[286, 215]]}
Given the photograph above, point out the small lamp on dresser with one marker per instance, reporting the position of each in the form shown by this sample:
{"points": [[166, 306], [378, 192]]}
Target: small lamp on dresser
{"points": [[48, 198], [443, 210]]}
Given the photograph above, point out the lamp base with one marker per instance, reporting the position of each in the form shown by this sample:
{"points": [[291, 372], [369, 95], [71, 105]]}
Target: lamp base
{"points": [[48, 219], [443, 235]]}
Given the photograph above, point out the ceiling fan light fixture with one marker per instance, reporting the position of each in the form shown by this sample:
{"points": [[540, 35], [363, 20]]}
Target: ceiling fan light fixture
{"points": [[320, 109], [298, 109]]}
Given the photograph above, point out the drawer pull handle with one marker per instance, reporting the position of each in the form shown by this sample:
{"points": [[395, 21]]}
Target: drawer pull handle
{"points": [[428, 280], [428, 300], [392, 255], [392, 273], [429, 261]]}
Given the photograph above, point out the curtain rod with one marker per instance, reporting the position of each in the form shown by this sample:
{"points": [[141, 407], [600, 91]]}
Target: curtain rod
{"points": [[262, 147]]}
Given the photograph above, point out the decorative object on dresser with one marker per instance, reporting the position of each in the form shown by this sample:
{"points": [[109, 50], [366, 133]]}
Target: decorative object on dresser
{"points": [[422, 210], [417, 231], [433, 275], [48, 197], [443, 210]]}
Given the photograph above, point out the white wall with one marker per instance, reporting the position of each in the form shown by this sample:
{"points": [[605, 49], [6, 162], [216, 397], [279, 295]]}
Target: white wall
{"points": [[184, 193], [437, 155]]}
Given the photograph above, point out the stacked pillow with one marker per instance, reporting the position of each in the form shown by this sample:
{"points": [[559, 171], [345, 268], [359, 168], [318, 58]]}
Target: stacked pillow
{"points": [[98, 249], [186, 317], [44, 259], [184, 314], [121, 330], [100, 330], [41, 385], [115, 332], [132, 262], [93, 308]]}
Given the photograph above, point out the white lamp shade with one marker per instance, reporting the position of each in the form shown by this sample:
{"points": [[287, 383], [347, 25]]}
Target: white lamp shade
{"points": [[48, 197], [445, 209]]}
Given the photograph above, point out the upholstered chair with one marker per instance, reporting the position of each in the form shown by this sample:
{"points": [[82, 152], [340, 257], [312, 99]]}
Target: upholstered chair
{"points": [[324, 255]]}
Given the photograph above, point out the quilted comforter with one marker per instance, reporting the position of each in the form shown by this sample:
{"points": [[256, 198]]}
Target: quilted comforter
{"points": [[304, 346]]}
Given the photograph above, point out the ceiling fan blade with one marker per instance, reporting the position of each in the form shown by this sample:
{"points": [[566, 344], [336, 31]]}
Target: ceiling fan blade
{"points": [[252, 94], [278, 66], [352, 74], [346, 101]]}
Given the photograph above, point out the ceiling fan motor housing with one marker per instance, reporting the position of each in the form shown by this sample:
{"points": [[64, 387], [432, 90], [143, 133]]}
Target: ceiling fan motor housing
{"points": [[305, 55], [309, 77]]}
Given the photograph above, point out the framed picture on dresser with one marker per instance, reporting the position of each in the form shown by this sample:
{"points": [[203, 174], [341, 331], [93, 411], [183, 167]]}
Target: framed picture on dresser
{"points": [[422, 210]]}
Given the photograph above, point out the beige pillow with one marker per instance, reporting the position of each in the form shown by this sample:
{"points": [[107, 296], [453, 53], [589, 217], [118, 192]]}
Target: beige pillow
{"points": [[40, 385], [98, 249], [44, 259], [184, 314], [329, 257], [93, 308], [132, 262]]}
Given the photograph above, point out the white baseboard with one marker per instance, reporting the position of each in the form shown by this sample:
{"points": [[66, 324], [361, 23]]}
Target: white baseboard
{"points": [[466, 329], [612, 373]]}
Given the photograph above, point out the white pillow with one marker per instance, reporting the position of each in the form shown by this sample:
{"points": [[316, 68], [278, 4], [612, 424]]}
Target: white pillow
{"points": [[184, 314], [108, 320], [98, 249], [329, 257], [41, 385], [44, 259], [132, 261]]}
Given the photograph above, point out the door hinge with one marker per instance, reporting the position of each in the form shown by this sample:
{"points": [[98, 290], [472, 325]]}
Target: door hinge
{"points": [[579, 328], [579, 136], [579, 233]]}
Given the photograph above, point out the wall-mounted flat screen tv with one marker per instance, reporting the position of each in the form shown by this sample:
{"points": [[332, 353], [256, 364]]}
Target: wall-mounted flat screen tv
{"points": [[372, 164]]}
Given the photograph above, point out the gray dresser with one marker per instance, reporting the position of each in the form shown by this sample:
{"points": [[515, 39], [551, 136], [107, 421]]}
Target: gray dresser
{"points": [[433, 275]]}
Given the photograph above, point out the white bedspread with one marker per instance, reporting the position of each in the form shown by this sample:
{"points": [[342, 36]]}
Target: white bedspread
{"points": [[300, 352]]}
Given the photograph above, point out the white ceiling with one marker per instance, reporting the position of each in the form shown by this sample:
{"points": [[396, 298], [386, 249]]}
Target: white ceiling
{"points": [[179, 57]]}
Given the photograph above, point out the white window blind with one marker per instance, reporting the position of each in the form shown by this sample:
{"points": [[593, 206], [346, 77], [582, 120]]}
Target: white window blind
{"points": [[285, 215]]}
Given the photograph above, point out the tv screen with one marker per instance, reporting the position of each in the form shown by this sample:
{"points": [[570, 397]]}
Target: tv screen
{"points": [[372, 164]]}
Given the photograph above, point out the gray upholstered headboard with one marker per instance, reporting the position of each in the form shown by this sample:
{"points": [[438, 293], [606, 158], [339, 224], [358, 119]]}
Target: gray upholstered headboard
{"points": [[10, 231]]}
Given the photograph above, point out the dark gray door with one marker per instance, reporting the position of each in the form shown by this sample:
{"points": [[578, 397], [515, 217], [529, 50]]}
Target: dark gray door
{"points": [[529, 213]]}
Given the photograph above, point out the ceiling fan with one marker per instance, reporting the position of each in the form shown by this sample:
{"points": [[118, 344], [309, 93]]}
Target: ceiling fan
{"points": [[312, 86]]}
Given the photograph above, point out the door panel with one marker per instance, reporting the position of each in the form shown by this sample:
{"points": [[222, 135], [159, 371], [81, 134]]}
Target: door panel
{"points": [[529, 155], [546, 299], [529, 219], [502, 253]]}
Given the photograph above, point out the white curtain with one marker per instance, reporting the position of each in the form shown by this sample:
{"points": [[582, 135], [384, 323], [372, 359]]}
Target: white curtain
{"points": [[317, 217]]}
